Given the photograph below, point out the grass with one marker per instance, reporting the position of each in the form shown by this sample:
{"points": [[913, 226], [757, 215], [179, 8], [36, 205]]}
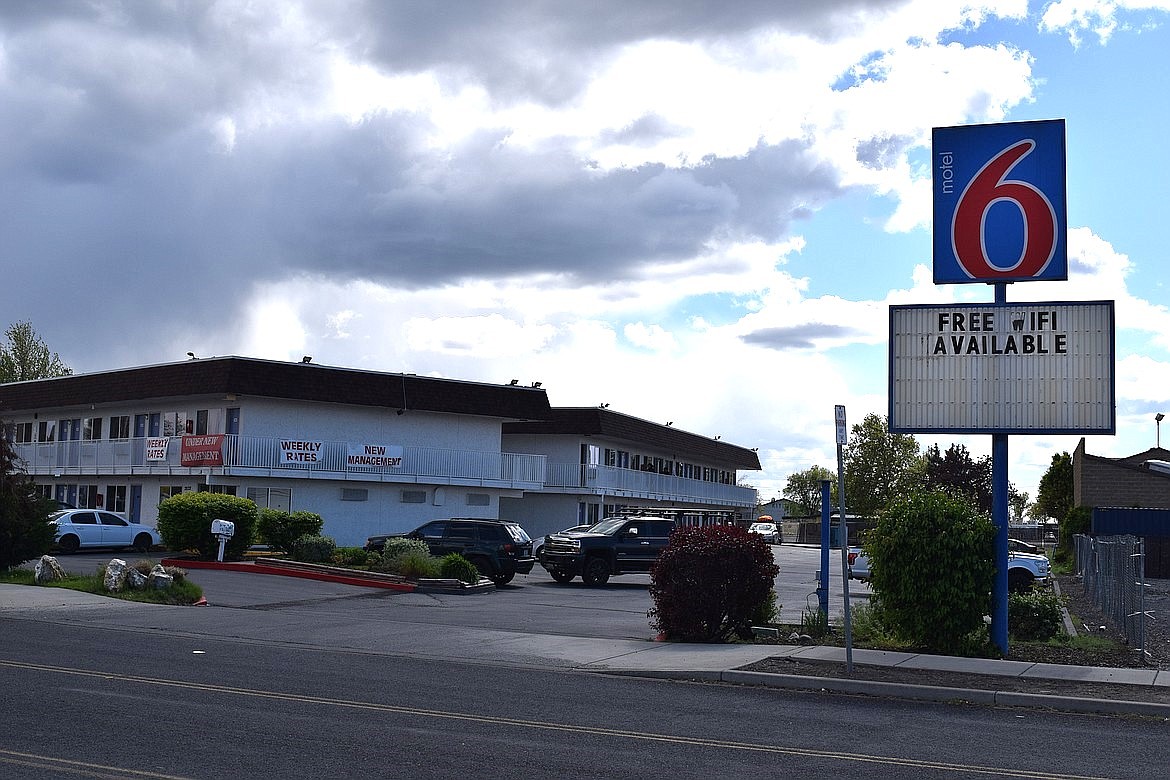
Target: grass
{"points": [[182, 592]]}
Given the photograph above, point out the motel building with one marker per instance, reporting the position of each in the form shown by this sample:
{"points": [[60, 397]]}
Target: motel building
{"points": [[370, 452]]}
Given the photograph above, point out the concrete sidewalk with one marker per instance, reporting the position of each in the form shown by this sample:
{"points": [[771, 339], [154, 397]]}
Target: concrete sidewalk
{"points": [[723, 663]]}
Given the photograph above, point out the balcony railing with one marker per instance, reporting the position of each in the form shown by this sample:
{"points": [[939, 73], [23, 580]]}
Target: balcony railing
{"points": [[617, 482], [263, 456]]}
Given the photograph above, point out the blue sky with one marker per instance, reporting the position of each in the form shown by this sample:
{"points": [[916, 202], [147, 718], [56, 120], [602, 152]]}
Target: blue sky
{"points": [[698, 212]]}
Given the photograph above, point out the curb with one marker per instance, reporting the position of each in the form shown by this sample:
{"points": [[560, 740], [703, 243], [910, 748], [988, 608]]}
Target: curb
{"points": [[907, 691], [260, 568]]}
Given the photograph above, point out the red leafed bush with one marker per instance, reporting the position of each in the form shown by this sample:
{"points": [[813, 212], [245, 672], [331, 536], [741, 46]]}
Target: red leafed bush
{"points": [[710, 583]]}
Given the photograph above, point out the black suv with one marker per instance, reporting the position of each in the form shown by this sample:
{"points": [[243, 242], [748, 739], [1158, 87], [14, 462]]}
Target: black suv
{"points": [[616, 545], [498, 548]]}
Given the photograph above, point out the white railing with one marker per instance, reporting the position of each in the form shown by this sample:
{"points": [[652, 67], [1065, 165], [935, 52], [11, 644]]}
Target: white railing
{"points": [[252, 454], [619, 482]]}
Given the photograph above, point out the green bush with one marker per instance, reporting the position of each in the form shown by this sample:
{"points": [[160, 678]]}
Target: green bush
{"points": [[931, 569], [312, 549], [184, 522], [1035, 616], [710, 583], [400, 544], [279, 529], [415, 565], [454, 566], [352, 556], [25, 533], [1078, 520]]}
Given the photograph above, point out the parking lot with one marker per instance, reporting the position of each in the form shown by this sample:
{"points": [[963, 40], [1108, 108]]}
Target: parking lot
{"points": [[532, 603]]}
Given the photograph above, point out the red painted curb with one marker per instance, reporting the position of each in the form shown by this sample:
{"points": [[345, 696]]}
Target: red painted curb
{"points": [[259, 568]]}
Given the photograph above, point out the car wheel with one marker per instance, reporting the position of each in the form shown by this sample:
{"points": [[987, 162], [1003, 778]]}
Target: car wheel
{"points": [[1019, 581], [503, 579], [596, 571], [69, 544], [143, 543], [561, 576]]}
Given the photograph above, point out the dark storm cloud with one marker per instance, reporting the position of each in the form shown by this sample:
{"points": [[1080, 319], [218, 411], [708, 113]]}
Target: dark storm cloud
{"points": [[546, 49], [796, 337], [117, 199]]}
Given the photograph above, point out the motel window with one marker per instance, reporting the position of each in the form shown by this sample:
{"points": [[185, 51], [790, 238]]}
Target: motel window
{"points": [[166, 491], [355, 494], [116, 498], [91, 428], [201, 422], [120, 428], [174, 423], [271, 498], [23, 433], [47, 431], [414, 496], [478, 499], [88, 497]]}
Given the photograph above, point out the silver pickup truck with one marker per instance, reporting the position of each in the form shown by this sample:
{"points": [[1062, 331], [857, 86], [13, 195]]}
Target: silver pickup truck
{"points": [[1024, 568]]}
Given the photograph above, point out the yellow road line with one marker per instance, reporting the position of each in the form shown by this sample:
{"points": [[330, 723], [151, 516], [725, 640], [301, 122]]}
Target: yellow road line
{"points": [[554, 726]]}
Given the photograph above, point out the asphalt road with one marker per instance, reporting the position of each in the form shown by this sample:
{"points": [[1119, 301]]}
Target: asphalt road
{"points": [[83, 701], [283, 677]]}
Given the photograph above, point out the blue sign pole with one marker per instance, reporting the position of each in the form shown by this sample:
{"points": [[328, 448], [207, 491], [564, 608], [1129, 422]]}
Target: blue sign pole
{"points": [[823, 580], [999, 516]]}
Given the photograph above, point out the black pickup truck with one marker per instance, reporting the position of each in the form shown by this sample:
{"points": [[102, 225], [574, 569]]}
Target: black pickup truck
{"points": [[616, 545]]}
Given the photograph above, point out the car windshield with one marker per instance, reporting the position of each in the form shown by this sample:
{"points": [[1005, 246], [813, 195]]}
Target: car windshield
{"points": [[518, 533], [608, 525]]}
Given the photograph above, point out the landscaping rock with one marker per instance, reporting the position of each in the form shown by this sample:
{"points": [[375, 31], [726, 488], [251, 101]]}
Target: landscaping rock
{"points": [[48, 570], [115, 578]]}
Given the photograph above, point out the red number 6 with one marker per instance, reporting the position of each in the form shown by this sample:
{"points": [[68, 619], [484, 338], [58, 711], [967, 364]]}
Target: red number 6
{"points": [[988, 188]]}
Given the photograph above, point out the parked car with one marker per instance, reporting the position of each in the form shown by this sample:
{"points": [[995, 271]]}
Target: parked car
{"points": [[616, 545], [77, 528], [499, 549], [539, 543], [770, 532], [1024, 569], [1016, 545]]}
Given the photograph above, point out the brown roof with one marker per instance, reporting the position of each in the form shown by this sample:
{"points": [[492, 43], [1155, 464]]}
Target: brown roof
{"points": [[597, 421], [274, 379]]}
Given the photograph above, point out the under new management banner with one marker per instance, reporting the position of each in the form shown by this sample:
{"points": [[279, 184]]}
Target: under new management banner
{"points": [[1002, 368]]}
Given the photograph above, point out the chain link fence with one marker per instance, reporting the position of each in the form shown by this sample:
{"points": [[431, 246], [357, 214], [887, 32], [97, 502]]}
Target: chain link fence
{"points": [[1112, 571]]}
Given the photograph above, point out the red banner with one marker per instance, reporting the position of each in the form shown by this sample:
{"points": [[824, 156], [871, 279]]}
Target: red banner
{"points": [[202, 451]]}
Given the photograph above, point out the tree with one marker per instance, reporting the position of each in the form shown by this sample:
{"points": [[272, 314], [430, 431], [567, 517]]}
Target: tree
{"points": [[804, 489], [25, 356], [24, 529], [879, 466], [956, 473], [931, 569], [1055, 495]]}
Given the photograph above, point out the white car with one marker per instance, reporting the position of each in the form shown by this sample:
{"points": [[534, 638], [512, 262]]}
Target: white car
{"points": [[77, 528], [769, 531]]}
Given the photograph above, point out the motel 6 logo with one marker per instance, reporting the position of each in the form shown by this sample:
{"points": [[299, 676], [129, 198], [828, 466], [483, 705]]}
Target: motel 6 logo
{"points": [[1000, 203]]}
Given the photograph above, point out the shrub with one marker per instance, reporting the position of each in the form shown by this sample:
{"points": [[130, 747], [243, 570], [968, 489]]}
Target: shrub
{"points": [[454, 566], [710, 583], [184, 522], [415, 565], [400, 545], [279, 529], [25, 533], [312, 549], [1035, 616], [931, 569], [1078, 520], [352, 556]]}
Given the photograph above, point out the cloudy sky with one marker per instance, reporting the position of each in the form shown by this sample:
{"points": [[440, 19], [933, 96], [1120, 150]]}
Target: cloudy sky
{"points": [[692, 210]]}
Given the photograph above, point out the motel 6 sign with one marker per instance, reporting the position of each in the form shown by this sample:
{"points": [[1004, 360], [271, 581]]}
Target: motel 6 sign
{"points": [[999, 203]]}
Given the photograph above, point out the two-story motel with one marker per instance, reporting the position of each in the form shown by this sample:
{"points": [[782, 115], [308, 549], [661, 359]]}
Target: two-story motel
{"points": [[371, 452]]}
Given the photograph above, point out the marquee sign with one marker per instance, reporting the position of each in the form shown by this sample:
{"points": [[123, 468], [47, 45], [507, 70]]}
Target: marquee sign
{"points": [[1002, 368], [999, 203]]}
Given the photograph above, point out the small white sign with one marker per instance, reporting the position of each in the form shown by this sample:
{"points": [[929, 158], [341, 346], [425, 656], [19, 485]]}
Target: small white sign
{"points": [[156, 448], [842, 429]]}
